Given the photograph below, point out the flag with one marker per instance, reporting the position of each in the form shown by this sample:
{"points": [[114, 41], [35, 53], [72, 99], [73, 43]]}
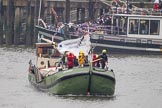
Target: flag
{"points": [[55, 15], [76, 45], [54, 12]]}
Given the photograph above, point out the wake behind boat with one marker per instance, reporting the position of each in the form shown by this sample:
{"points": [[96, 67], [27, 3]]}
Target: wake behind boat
{"points": [[52, 75]]}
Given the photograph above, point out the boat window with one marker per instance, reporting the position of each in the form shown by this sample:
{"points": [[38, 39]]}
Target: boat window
{"points": [[154, 27], [51, 51], [44, 50], [133, 26], [47, 52], [119, 25], [144, 27]]}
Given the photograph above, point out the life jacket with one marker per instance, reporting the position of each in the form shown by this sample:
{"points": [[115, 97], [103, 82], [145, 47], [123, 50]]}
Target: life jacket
{"points": [[156, 6], [94, 58], [104, 60], [81, 59], [104, 57], [70, 60]]}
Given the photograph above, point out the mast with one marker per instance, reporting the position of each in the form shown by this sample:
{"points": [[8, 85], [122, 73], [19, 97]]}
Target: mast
{"points": [[40, 6], [67, 14]]}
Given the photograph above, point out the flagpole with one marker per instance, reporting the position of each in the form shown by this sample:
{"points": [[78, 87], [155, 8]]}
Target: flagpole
{"points": [[40, 6]]}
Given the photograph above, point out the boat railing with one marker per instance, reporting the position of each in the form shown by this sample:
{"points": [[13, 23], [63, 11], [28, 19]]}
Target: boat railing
{"points": [[102, 30], [136, 11], [148, 11]]}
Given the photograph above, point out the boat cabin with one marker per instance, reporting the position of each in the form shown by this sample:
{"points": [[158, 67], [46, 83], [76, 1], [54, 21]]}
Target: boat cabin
{"points": [[47, 56], [143, 26]]}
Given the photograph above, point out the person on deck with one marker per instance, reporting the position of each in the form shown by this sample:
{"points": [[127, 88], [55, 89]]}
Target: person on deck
{"points": [[160, 5], [156, 5], [64, 59], [104, 59], [95, 60], [81, 59], [70, 60]]}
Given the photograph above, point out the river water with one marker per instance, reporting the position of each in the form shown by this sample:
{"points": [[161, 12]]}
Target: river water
{"points": [[138, 83]]}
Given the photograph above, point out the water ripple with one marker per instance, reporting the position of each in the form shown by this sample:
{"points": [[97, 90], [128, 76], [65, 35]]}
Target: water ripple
{"points": [[138, 81]]}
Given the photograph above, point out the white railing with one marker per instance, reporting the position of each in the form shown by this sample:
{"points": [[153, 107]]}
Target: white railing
{"points": [[138, 11]]}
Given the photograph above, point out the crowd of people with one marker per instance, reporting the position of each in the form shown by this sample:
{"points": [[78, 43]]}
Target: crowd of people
{"points": [[100, 61]]}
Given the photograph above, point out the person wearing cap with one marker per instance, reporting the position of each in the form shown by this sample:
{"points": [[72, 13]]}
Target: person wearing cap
{"points": [[81, 58], [104, 58]]}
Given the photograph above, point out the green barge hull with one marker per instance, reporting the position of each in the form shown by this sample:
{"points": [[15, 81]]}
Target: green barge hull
{"points": [[77, 81]]}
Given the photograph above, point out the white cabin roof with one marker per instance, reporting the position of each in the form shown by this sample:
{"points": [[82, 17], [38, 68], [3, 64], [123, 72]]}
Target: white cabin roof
{"points": [[140, 16]]}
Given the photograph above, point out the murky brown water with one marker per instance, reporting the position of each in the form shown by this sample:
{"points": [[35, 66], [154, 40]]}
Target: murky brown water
{"points": [[138, 84]]}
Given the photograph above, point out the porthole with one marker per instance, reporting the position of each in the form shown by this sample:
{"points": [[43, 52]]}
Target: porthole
{"points": [[42, 63]]}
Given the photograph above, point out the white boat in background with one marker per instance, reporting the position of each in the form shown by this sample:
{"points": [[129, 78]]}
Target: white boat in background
{"points": [[138, 32], [132, 34]]}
